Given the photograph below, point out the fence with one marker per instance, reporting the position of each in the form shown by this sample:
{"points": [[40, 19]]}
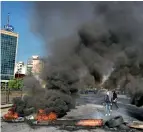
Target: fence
{"points": [[8, 95]]}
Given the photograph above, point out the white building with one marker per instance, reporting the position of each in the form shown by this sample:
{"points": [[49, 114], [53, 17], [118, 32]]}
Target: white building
{"points": [[20, 68]]}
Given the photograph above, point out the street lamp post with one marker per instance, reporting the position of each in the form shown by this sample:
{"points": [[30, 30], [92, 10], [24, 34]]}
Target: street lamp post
{"points": [[6, 92], [18, 83]]}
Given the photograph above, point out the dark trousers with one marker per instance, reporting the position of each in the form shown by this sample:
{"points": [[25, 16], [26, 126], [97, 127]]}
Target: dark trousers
{"points": [[114, 103]]}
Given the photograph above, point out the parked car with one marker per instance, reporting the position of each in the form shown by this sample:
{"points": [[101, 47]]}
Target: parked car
{"points": [[86, 91]]}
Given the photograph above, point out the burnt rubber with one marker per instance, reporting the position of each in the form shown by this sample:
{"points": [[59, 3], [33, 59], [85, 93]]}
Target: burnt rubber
{"points": [[115, 122]]}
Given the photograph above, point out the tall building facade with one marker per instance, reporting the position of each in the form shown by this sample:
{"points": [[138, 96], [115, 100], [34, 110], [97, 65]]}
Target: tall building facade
{"points": [[29, 66], [34, 65], [9, 44]]}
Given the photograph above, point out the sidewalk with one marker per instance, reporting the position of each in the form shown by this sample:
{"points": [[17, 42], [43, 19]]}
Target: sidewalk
{"points": [[5, 106]]}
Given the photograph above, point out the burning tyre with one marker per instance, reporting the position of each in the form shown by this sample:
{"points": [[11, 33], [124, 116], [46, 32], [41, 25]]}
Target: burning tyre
{"points": [[42, 116], [12, 116]]}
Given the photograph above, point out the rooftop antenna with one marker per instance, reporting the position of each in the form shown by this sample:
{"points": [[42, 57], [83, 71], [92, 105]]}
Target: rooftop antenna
{"points": [[8, 27], [8, 18]]}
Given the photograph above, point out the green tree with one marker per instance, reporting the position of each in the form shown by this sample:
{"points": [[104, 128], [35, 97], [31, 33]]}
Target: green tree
{"points": [[15, 84]]}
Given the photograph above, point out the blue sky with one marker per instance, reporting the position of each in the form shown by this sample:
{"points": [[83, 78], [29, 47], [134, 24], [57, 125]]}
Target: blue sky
{"points": [[29, 44]]}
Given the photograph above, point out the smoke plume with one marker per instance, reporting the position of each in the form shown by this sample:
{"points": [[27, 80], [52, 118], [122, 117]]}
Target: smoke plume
{"points": [[125, 18], [86, 39]]}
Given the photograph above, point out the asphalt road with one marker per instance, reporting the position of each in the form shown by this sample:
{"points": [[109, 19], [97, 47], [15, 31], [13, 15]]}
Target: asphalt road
{"points": [[88, 106], [123, 102]]}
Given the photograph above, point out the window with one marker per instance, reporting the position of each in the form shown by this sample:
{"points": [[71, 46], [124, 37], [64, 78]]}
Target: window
{"points": [[8, 50]]}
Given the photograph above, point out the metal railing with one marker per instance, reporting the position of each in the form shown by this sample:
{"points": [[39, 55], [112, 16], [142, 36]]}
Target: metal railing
{"points": [[8, 94]]}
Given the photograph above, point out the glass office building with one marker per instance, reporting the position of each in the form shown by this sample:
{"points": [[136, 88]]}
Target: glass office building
{"points": [[9, 42]]}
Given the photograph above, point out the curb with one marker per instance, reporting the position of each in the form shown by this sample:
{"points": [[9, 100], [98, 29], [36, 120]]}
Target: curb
{"points": [[6, 106]]}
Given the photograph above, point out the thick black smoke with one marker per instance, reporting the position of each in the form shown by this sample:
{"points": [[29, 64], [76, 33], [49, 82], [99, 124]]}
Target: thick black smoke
{"points": [[125, 18], [82, 39]]}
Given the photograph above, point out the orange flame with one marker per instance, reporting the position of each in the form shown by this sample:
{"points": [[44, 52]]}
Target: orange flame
{"points": [[11, 115], [90, 122], [42, 116]]}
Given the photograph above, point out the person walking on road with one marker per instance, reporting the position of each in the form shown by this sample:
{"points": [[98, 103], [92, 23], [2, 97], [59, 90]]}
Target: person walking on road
{"points": [[114, 100], [108, 103]]}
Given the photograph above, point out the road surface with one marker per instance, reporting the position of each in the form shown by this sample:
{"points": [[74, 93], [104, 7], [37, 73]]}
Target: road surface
{"points": [[123, 102], [88, 106]]}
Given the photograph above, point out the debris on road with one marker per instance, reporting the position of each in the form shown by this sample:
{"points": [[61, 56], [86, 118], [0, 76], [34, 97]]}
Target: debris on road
{"points": [[136, 124], [83, 122], [17, 120], [96, 120], [115, 122], [123, 127]]}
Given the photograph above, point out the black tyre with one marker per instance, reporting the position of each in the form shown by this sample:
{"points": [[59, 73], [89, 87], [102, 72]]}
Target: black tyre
{"points": [[123, 127], [115, 122]]}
